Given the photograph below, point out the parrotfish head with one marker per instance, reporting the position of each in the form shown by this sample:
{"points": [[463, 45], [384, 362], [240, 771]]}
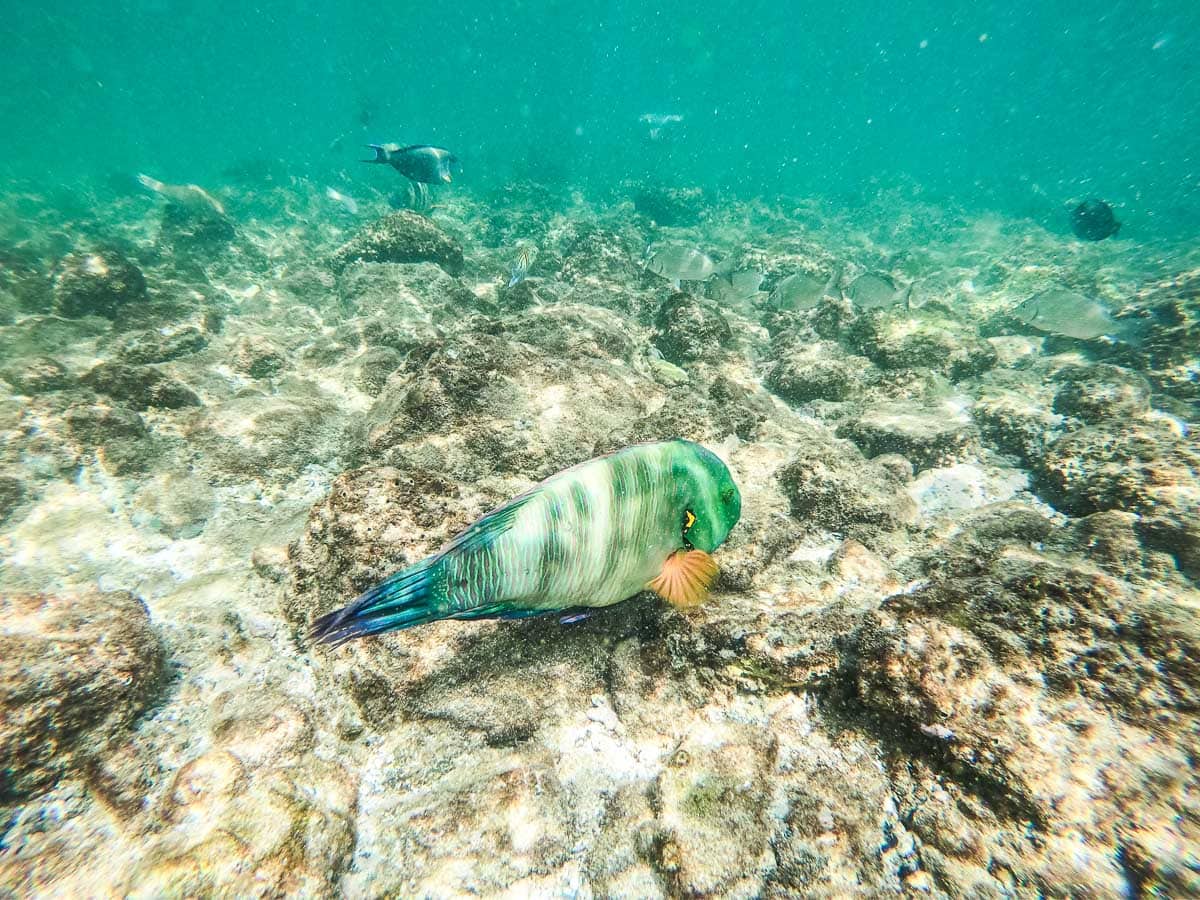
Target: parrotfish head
{"points": [[710, 500]]}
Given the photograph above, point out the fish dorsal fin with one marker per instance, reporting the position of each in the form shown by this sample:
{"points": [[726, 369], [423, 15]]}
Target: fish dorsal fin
{"points": [[483, 532]]}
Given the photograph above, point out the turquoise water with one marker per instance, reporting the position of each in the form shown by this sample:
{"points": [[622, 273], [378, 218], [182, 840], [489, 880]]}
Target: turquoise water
{"points": [[1012, 106], [740, 480]]}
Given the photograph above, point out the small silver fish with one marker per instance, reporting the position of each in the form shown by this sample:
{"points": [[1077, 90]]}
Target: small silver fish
{"points": [[871, 291], [526, 253], [803, 291], [736, 287], [350, 204], [190, 195], [1060, 311], [677, 263]]}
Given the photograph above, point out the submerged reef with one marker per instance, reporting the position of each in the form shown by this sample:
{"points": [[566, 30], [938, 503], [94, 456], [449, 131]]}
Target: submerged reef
{"points": [[953, 649]]}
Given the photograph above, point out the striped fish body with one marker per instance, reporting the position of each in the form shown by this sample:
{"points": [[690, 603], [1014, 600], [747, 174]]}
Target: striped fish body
{"points": [[591, 536], [520, 266]]}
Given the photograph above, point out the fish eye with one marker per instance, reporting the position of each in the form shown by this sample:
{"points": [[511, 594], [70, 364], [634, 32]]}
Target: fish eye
{"points": [[689, 519]]}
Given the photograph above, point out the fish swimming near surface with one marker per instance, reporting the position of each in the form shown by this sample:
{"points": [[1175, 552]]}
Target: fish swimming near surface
{"points": [[189, 195], [347, 202], [676, 263], [526, 254], [801, 290], [644, 517], [417, 162], [871, 291], [1071, 314]]}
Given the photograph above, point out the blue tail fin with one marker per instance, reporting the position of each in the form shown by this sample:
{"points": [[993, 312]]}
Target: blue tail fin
{"points": [[381, 154], [403, 600]]}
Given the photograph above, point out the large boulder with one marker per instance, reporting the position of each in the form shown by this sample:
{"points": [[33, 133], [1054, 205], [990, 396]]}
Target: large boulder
{"points": [[402, 237], [691, 328], [75, 672], [142, 387], [817, 370], [1033, 679], [831, 485], [927, 437], [97, 283]]}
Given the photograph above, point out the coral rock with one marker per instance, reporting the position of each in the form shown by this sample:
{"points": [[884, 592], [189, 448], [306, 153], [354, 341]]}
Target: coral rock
{"points": [[75, 672], [691, 328], [141, 387], [402, 237], [97, 283]]}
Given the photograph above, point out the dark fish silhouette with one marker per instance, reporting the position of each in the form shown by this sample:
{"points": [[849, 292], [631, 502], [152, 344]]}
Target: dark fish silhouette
{"points": [[1093, 220], [418, 162]]}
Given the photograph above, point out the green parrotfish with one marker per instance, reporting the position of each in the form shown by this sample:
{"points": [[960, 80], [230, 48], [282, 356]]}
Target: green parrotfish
{"points": [[643, 518]]}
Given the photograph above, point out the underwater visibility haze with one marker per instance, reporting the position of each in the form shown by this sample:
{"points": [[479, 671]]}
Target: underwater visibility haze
{"points": [[613, 450]]}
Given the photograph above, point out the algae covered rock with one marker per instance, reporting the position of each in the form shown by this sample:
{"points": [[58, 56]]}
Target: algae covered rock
{"points": [[258, 356], [447, 381], [568, 331], [1013, 422], [1100, 392], [690, 328], [160, 344], [893, 340], [715, 829], [252, 812], [176, 503], [960, 666], [75, 672], [1136, 465], [402, 295], [374, 368], [592, 253], [37, 375], [402, 237], [195, 228], [927, 437], [270, 437], [97, 283], [817, 370], [24, 285], [142, 387], [12, 492], [374, 521], [671, 206], [830, 484], [119, 436]]}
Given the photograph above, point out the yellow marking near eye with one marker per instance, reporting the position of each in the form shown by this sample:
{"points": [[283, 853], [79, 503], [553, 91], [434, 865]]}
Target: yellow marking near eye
{"points": [[690, 519]]}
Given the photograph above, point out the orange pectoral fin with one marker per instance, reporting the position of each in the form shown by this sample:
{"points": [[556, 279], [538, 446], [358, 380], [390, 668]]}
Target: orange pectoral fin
{"points": [[685, 578]]}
